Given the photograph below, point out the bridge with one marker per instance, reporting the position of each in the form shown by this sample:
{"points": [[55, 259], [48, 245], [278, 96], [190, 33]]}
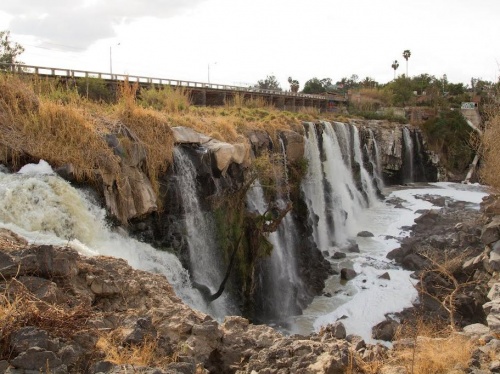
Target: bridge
{"points": [[203, 94]]}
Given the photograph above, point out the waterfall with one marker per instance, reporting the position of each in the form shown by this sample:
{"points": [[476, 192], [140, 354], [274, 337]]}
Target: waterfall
{"points": [[204, 257], [408, 161], [329, 188], [366, 179], [345, 201], [375, 160], [313, 188], [45, 209], [280, 284]]}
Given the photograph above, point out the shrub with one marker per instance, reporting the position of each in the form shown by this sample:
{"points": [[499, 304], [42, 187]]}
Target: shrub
{"points": [[449, 135]]}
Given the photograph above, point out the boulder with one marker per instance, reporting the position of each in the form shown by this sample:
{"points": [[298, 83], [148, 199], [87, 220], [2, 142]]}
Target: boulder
{"points": [[365, 234], [491, 232], [414, 262], [385, 276], [223, 153], [476, 330], [36, 358], [385, 330], [347, 274], [494, 259], [338, 255]]}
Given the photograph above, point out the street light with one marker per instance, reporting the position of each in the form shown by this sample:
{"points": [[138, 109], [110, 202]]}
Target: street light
{"points": [[215, 63], [111, 59]]}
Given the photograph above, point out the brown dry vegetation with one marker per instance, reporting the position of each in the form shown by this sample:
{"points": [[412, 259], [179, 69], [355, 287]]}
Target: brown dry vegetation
{"points": [[423, 348], [45, 119], [490, 171]]}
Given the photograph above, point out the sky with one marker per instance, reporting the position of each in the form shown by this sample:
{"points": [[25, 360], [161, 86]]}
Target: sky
{"points": [[239, 42]]}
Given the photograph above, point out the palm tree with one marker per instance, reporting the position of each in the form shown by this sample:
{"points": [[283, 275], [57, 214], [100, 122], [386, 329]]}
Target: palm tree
{"points": [[406, 55], [395, 65]]}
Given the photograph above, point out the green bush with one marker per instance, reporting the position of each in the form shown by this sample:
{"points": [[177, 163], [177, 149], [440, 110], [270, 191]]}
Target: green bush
{"points": [[94, 89], [449, 135]]}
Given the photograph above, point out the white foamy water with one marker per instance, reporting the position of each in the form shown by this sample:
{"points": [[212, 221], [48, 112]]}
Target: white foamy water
{"points": [[45, 209], [364, 301]]}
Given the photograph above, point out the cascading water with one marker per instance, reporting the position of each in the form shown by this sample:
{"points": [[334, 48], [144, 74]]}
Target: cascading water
{"points": [[345, 202], [313, 188], [204, 256], [46, 209], [408, 161], [280, 284], [366, 179], [375, 160]]}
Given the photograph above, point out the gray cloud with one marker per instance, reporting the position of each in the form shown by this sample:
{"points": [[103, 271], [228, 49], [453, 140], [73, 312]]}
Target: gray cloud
{"points": [[78, 23]]}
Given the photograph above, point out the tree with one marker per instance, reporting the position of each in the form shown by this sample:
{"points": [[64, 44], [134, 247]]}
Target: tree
{"points": [[9, 51], [294, 84], [270, 83], [369, 82], [395, 66], [406, 55], [315, 85]]}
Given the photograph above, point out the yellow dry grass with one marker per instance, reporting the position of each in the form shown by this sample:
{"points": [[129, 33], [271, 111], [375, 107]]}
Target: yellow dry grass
{"points": [[490, 170], [436, 355], [144, 354]]}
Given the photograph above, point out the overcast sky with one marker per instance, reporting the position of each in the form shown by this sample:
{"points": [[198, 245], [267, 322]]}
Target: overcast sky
{"points": [[242, 41]]}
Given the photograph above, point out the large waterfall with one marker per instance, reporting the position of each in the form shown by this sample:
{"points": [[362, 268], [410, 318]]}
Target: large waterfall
{"points": [[279, 282], [48, 210], [330, 189], [205, 262]]}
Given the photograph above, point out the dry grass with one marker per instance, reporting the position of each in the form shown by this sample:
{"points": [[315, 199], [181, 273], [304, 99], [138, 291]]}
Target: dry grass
{"points": [[490, 171], [167, 99], [424, 348], [436, 355], [20, 308], [145, 354], [60, 134]]}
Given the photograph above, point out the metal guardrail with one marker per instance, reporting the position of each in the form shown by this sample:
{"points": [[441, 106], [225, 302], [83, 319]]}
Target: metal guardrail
{"points": [[71, 73]]}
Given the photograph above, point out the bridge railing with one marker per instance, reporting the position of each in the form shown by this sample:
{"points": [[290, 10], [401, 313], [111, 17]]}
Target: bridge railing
{"points": [[72, 73]]}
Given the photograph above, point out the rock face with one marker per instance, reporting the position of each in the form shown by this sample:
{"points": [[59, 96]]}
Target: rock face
{"points": [[102, 306], [223, 153], [391, 147], [128, 192]]}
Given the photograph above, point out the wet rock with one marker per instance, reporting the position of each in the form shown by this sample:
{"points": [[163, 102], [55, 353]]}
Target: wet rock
{"points": [[294, 145], [353, 248], [338, 255], [365, 234], [385, 276], [347, 274]]}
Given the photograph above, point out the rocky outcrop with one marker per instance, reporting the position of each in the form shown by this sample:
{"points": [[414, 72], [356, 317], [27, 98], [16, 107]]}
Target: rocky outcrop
{"points": [[99, 307], [224, 153], [127, 192], [391, 146]]}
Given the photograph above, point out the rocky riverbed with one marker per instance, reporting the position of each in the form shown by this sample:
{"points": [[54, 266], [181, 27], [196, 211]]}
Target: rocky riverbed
{"points": [[63, 312]]}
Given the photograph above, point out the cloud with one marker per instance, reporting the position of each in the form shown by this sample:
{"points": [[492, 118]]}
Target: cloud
{"points": [[81, 22]]}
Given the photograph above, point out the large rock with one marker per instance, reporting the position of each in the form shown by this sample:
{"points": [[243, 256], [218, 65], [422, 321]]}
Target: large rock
{"points": [[224, 153], [294, 145], [491, 232], [385, 330], [128, 191], [347, 274]]}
